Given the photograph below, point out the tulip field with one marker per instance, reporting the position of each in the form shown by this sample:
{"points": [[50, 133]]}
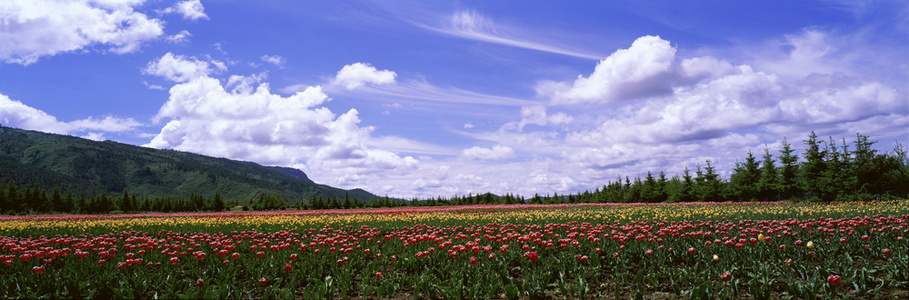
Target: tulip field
{"points": [[662, 251]]}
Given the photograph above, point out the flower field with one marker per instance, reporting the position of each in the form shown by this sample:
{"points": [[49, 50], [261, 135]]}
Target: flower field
{"points": [[756, 250]]}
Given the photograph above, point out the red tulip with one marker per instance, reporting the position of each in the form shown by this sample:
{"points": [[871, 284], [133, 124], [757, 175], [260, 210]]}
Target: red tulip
{"points": [[263, 281], [235, 255], [726, 276], [833, 279], [287, 268], [473, 260], [200, 282], [379, 275]]}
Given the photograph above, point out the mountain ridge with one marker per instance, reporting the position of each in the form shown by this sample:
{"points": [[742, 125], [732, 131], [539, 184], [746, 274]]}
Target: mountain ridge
{"points": [[80, 165]]}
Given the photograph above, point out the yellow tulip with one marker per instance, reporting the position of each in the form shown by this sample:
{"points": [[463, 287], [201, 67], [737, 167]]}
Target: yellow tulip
{"points": [[761, 237], [810, 245], [716, 257]]}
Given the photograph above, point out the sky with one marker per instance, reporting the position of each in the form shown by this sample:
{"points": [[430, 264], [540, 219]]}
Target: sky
{"points": [[432, 98]]}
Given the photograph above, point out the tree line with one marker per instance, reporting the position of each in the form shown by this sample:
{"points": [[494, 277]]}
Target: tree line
{"points": [[827, 171]]}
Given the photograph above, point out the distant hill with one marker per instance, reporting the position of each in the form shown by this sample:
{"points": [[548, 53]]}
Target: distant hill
{"points": [[81, 165]]}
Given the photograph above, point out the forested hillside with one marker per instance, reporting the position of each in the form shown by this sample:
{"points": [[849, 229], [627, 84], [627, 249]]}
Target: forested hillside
{"points": [[33, 164]]}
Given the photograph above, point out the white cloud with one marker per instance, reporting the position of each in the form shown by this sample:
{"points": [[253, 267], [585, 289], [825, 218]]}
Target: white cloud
{"points": [[498, 152], [472, 25], [190, 9], [274, 59], [179, 68], [809, 51], [356, 75], [179, 38], [16, 114], [253, 124], [95, 136], [642, 70], [35, 28]]}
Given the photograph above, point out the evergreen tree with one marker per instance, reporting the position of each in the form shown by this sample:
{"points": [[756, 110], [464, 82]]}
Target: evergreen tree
{"points": [[68, 203], [711, 185], [80, 204], [649, 191], [745, 178], [769, 182], [56, 201], [662, 193], [12, 197], [868, 171], [218, 202], [813, 169], [789, 168], [687, 192], [347, 204], [837, 181], [124, 202]]}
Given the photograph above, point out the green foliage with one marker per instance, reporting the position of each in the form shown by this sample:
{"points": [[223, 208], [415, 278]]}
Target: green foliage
{"points": [[73, 165]]}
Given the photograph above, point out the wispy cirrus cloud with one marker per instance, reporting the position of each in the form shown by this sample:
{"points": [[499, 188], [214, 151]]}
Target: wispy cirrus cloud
{"points": [[472, 25]]}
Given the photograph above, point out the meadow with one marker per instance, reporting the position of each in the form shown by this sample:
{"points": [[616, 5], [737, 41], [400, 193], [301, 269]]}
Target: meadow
{"points": [[663, 251]]}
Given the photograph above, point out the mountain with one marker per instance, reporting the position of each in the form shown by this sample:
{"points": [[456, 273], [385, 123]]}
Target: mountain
{"points": [[80, 165]]}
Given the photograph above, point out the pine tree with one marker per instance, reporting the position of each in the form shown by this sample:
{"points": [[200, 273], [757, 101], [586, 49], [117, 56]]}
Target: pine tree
{"points": [[812, 173], [710, 189], [347, 203], [867, 170], [662, 193], [687, 193], [745, 178], [218, 202], [769, 183], [789, 168], [56, 201]]}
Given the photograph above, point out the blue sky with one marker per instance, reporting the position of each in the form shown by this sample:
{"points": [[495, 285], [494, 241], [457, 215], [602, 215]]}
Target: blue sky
{"points": [[422, 99]]}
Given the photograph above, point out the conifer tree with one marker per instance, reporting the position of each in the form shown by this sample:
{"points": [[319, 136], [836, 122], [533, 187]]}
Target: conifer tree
{"points": [[769, 183], [813, 169], [789, 168]]}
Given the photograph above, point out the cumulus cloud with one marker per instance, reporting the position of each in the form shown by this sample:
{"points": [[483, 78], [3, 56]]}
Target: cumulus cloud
{"points": [[179, 68], [35, 28], [356, 75], [190, 9], [639, 71], [663, 112], [16, 114], [254, 124], [498, 152]]}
